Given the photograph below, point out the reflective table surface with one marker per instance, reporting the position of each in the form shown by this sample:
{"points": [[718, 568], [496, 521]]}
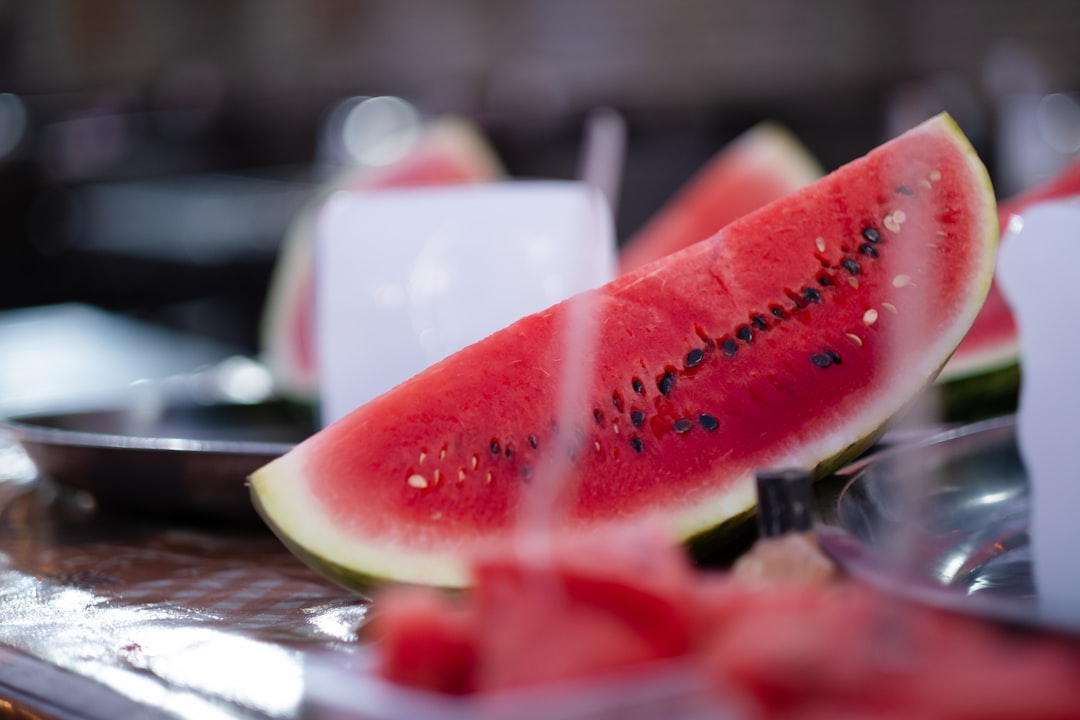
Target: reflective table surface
{"points": [[110, 613]]}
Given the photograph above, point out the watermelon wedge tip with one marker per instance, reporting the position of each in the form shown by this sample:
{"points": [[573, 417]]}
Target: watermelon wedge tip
{"points": [[762, 164], [788, 339]]}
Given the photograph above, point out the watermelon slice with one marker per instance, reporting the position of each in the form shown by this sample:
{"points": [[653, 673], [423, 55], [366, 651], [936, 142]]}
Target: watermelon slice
{"points": [[448, 151], [764, 163], [779, 342], [992, 342], [580, 610], [782, 649]]}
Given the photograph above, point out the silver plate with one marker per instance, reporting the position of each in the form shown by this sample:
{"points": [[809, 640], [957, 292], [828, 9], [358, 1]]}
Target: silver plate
{"points": [[190, 459], [944, 521]]}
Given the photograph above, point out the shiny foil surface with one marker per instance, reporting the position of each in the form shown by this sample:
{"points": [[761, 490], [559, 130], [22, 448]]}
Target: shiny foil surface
{"points": [[183, 618]]}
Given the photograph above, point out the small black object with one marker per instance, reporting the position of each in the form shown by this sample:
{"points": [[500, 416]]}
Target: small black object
{"points": [[784, 502]]}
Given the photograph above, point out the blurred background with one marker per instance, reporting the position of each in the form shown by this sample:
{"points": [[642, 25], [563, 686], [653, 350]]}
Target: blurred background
{"points": [[153, 153]]}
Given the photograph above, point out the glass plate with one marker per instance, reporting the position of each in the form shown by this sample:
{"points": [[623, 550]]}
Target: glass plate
{"points": [[944, 521]]}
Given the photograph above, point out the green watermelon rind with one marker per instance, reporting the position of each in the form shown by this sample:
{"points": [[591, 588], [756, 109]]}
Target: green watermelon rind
{"points": [[741, 511], [365, 582], [281, 497]]}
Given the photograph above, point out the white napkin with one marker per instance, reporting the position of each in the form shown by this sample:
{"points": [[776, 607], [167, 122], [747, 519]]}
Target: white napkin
{"points": [[407, 277], [1039, 269]]}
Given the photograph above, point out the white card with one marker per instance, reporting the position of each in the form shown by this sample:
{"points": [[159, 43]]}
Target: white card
{"points": [[406, 277], [1037, 269]]}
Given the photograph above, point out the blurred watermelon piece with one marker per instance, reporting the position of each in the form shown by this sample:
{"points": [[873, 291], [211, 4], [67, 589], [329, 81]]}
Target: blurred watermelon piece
{"points": [[766, 162], [782, 650], [992, 342]]}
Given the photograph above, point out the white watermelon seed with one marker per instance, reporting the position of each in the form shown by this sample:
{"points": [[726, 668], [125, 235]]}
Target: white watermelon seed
{"points": [[853, 282], [437, 477], [461, 475], [890, 307], [423, 457], [935, 175], [820, 242], [890, 224], [475, 461], [870, 317], [901, 281], [417, 481], [855, 339]]}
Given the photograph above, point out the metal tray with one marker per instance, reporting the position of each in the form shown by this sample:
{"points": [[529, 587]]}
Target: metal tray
{"points": [[184, 459]]}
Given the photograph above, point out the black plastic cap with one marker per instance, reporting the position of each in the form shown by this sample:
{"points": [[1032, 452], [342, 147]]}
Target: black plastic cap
{"points": [[784, 502]]}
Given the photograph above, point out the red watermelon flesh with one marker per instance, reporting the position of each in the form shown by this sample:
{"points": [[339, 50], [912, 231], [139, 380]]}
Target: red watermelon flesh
{"points": [[779, 650], [560, 614], [449, 151], [764, 163], [773, 344], [992, 342]]}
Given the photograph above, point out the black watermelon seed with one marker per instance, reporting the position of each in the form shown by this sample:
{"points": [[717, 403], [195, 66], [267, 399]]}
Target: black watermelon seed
{"points": [[616, 400], [639, 387], [494, 446], [665, 383], [533, 441], [637, 418], [759, 322], [637, 444], [694, 357], [871, 234], [851, 266], [778, 312], [682, 425], [745, 334], [708, 422], [834, 356], [868, 250], [598, 416], [812, 295], [821, 360], [509, 451], [729, 347], [526, 473], [824, 281], [904, 190]]}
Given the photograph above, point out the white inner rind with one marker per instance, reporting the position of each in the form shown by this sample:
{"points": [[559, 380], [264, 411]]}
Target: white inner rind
{"points": [[294, 513]]}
